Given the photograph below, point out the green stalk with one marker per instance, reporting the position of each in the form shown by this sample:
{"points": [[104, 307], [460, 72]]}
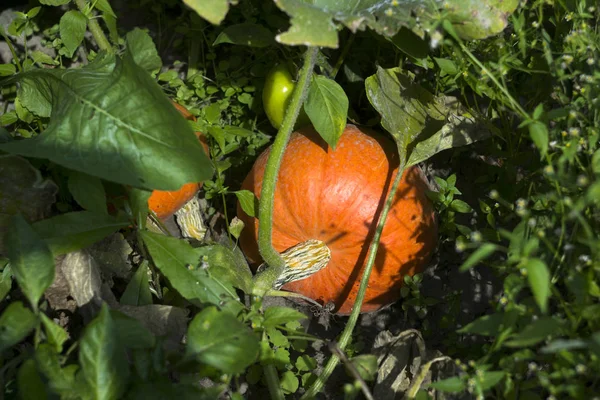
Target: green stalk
{"points": [[347, 333], [273, 382], [264, 281], [95, 29]]}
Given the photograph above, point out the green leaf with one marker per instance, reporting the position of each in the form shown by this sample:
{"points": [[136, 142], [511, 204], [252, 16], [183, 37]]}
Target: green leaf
{"points": [[248, 202], [30, 259], [173, 257], [73, 25], [56, 335], [138, 201], [5, 281], [87, 191], [327, 108], [54, 2], [305, 363], [491, 379], [246, 34], [596, 162], [60, 380], [477, 19], [75, 230], [447, 66], [539, 134], [102, 358], [276, 316], [137, 292], [421, 124], [538, 277], [144, 51], [16, 322], [132, 134], [43, 58], [214, 11], [488, 325], [8, 118], [131, 332], [220, 340], [460, 206], [483, 252], [535, 332], [289, 382], [104, 6], [7, 69], [449, 385], [29, 381], [559, 345], [226, 267]]}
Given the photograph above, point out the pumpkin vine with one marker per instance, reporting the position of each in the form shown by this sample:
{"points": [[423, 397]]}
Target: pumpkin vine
{"points": [[264, 281]]}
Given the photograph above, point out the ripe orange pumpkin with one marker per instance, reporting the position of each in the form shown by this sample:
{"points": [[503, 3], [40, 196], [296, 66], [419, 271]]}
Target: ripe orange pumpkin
{"points": [[166, 203], [333, 196]]}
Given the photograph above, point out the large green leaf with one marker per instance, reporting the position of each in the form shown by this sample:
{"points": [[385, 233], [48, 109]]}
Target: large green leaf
{"points": [[214, 11], [102, 358], [75, 230], [313, 22], [30, 258], [421, 123], [110, 119], [220, 340]]}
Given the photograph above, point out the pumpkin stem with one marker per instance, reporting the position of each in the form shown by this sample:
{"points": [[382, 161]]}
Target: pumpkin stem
{"points": [[276, 264], [347, 333], [301, 261]]}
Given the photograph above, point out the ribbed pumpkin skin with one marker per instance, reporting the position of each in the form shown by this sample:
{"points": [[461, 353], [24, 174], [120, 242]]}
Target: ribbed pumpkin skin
{"points": [[333, 196]]}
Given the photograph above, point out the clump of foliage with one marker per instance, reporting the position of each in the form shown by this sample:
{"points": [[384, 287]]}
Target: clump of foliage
{"points": [[87, 132]]}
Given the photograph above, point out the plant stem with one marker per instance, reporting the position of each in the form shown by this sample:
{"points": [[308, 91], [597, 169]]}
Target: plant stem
{"points": [[97, 32], [264, 281], [273, 382], [346, 334]]}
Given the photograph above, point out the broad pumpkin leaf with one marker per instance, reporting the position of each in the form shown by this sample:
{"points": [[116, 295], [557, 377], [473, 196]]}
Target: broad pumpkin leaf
{"points": [[102, 358], [179, 263], [313, 22], [110, 119], [75, 230], [246, 34], [421, 123], [214, 11], [220, 340]]}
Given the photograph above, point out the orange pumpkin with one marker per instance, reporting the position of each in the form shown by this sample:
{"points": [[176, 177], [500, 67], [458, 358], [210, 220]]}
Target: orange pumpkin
{"points": [[333, 196], [166, 203]]}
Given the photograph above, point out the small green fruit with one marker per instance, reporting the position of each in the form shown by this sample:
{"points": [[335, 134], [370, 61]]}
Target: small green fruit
{"points": [[277, 94]]}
